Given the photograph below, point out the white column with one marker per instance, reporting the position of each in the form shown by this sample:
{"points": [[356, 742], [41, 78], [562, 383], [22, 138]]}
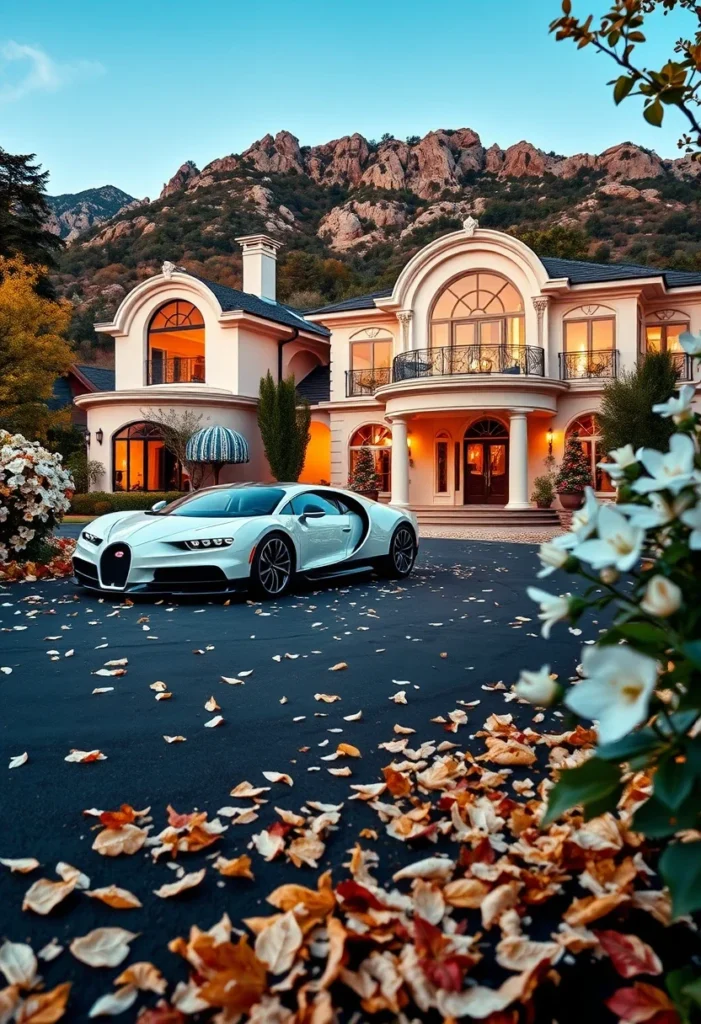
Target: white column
{"points": [[400, 463], [518, 461]]}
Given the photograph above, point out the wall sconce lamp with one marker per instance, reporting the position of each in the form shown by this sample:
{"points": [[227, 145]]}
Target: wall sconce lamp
{"points": [[549, 437], [100, 436]]}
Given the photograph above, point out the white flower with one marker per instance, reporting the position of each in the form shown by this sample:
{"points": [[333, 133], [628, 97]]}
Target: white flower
{"points": [[619, 544], [538, 688], [692, 519], [661, 598], [584, 519], [672, 471], [679, 406], [690, 344], [621, 458], [553, 555], [657, 512], [617, 691], [552, 609]]}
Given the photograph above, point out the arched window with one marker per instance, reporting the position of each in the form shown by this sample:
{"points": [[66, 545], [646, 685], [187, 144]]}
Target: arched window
{"points": [[480, 308], [442, 450], [587, 429], [176, 345], [378, 438], [662, 331], [141, 462]]}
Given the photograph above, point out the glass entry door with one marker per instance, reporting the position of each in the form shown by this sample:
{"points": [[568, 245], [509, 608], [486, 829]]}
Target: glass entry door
{"points": [[486, 473]]}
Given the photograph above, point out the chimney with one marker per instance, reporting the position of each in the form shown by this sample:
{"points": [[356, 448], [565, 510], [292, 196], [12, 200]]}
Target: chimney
{"points": [[259, 259]]}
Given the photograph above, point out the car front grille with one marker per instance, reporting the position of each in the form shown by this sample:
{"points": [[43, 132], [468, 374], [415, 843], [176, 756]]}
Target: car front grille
{"points": [[85, 572], [114, 565], [190, 579]]}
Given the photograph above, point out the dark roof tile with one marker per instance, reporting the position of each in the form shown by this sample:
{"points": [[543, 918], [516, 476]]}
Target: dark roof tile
{"points": [[357, 302], [231, 298], [102, 377], [316, 386]]}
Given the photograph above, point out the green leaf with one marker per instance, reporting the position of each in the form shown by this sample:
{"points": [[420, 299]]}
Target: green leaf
{"points": [[692, 990], [633, 745], [654, 113], [657, 821], [644, 633], [673, 782], [677, 982], [680, 867], [693, 652], [592, 781], [606, 803], [622, 87]]}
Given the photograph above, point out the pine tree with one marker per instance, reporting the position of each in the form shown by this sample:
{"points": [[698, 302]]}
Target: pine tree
{"points": [[24, 211], [283, 420], [626, 415], [364, 476], [575, 471]]}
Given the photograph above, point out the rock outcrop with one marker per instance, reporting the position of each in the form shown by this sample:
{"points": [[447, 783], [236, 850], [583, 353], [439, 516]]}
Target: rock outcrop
{"points": [[360, 223], [74, 214], [181, 179]]}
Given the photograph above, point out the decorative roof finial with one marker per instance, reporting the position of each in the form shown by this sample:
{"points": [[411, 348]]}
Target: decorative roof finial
{"points": [[167, 269], [470, 225]]}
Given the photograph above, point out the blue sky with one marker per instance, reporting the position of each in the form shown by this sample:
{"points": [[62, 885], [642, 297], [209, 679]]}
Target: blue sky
{"points": [[123, 94]]}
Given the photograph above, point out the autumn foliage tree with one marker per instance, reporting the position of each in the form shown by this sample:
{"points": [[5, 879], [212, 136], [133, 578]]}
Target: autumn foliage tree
{"points": [[33, 349]]}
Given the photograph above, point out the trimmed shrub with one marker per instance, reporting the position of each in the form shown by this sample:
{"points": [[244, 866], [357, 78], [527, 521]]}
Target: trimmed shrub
{"points": [[99, 503]]}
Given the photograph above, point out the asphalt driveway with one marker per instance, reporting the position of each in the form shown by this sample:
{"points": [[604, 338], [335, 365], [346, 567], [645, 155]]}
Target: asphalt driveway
{"points": [[462, 621]]}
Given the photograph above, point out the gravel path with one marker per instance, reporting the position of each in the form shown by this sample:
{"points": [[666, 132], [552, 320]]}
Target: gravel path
{"points": [[512, 535]]}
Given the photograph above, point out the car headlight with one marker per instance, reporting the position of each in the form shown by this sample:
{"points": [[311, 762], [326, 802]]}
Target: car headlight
{"points": [[91, 537], [207, 542]]}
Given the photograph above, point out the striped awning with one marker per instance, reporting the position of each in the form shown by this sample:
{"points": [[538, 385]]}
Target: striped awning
{"points": [[217, 444]]}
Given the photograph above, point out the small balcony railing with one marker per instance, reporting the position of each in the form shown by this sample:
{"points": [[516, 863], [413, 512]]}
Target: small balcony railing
{"points": [[366, 382], [176, 370], [588, 365], [683, 364], [527, 360]]}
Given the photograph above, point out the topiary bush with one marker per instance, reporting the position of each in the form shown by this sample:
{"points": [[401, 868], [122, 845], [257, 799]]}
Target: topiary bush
{"points": [[34, 495], [99, 503]]}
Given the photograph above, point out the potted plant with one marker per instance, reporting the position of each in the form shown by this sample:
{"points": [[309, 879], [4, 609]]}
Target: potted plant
{"points": [[364, 478], [543, 491], [574, 474]]}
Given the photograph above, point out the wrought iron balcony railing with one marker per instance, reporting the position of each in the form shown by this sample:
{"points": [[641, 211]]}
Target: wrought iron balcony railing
{"points": [[446, 361], [588, 364], [175, 371], [366, 382]]}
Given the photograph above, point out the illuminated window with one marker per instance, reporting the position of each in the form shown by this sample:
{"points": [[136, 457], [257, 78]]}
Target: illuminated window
{"points": [[441, 462], [141, 462], [664, 337], [478, 309], [176, 345], [587, 429], [378, 438]]}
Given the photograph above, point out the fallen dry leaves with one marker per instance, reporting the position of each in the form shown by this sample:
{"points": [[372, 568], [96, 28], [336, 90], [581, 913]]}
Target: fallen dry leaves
{"points": [[103, 947]]}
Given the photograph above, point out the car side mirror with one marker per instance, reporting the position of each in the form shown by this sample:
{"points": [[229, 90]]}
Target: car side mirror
{"points": [[315, 514], [158, 506]]}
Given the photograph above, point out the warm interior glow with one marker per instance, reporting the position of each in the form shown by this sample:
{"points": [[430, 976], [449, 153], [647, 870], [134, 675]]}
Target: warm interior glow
{"points": [[317, 461], [176, 344]]}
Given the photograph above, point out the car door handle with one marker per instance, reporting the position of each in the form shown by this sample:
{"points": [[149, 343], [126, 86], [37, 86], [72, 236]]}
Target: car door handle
{"points": [[345, 529]]}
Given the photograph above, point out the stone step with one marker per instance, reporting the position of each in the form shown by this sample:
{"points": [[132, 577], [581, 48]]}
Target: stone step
{"points": [[484, 515]]}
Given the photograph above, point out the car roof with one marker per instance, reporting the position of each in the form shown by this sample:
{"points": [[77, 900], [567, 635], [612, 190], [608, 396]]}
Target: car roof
{"points": [[289, 488]]}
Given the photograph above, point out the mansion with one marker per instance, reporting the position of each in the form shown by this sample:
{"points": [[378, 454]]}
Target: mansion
{"points": [[461, 378]]}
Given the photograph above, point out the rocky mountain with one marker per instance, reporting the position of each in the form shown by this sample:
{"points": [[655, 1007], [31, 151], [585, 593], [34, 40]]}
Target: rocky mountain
{"points": [[352, 211], [74, 214]]}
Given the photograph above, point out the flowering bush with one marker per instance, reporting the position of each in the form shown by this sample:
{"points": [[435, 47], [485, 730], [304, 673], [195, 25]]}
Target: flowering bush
{"points": [[34, 494], [641, 681], [574, 473], [54, 564]]}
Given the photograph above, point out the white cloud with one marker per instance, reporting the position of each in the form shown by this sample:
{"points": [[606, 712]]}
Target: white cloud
{"points": [[39, 72]]}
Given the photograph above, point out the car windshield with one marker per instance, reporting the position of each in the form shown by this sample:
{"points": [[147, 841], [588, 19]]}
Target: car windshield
{"points": [[226, 503]]}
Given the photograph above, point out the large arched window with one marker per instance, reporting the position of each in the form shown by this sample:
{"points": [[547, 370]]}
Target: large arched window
{"points": [[176, 344], [481, 308], [586, 428], [141, 461], [378, 438]]}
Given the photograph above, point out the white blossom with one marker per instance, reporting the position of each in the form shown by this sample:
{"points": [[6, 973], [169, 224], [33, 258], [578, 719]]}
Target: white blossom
{"points": [[553, 555], [662, 597], [690, 344], [584, 519], [620, 458], [538, 688], [679, 405], [656, 513], [552, 609], [671, 471], [618, 543], [617, 690], [692, 519]]}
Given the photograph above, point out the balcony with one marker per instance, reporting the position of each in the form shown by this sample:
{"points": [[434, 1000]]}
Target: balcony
{"points": [[526, 360], [366, 382], [179, 370], [588, 364]]}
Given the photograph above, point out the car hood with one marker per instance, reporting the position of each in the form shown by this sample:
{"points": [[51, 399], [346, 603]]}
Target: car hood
{"points": [[141, 528]]}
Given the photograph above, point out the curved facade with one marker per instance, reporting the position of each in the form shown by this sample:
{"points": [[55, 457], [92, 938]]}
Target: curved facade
{"points": [[461, 378]]}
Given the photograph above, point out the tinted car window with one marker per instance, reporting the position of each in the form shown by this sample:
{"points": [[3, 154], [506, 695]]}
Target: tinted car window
{"points": [[302, 503], [237, 503]]}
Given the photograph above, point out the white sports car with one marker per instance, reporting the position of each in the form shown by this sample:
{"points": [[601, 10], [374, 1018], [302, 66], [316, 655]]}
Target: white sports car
{"points": [[244, 536]]}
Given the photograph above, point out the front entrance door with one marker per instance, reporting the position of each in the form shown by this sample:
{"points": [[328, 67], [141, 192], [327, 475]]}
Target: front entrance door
{"points": [[486, 472]]}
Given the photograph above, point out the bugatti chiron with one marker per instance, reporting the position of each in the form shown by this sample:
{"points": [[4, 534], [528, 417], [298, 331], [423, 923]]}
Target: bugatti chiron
{"points": [[231, 537]]}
